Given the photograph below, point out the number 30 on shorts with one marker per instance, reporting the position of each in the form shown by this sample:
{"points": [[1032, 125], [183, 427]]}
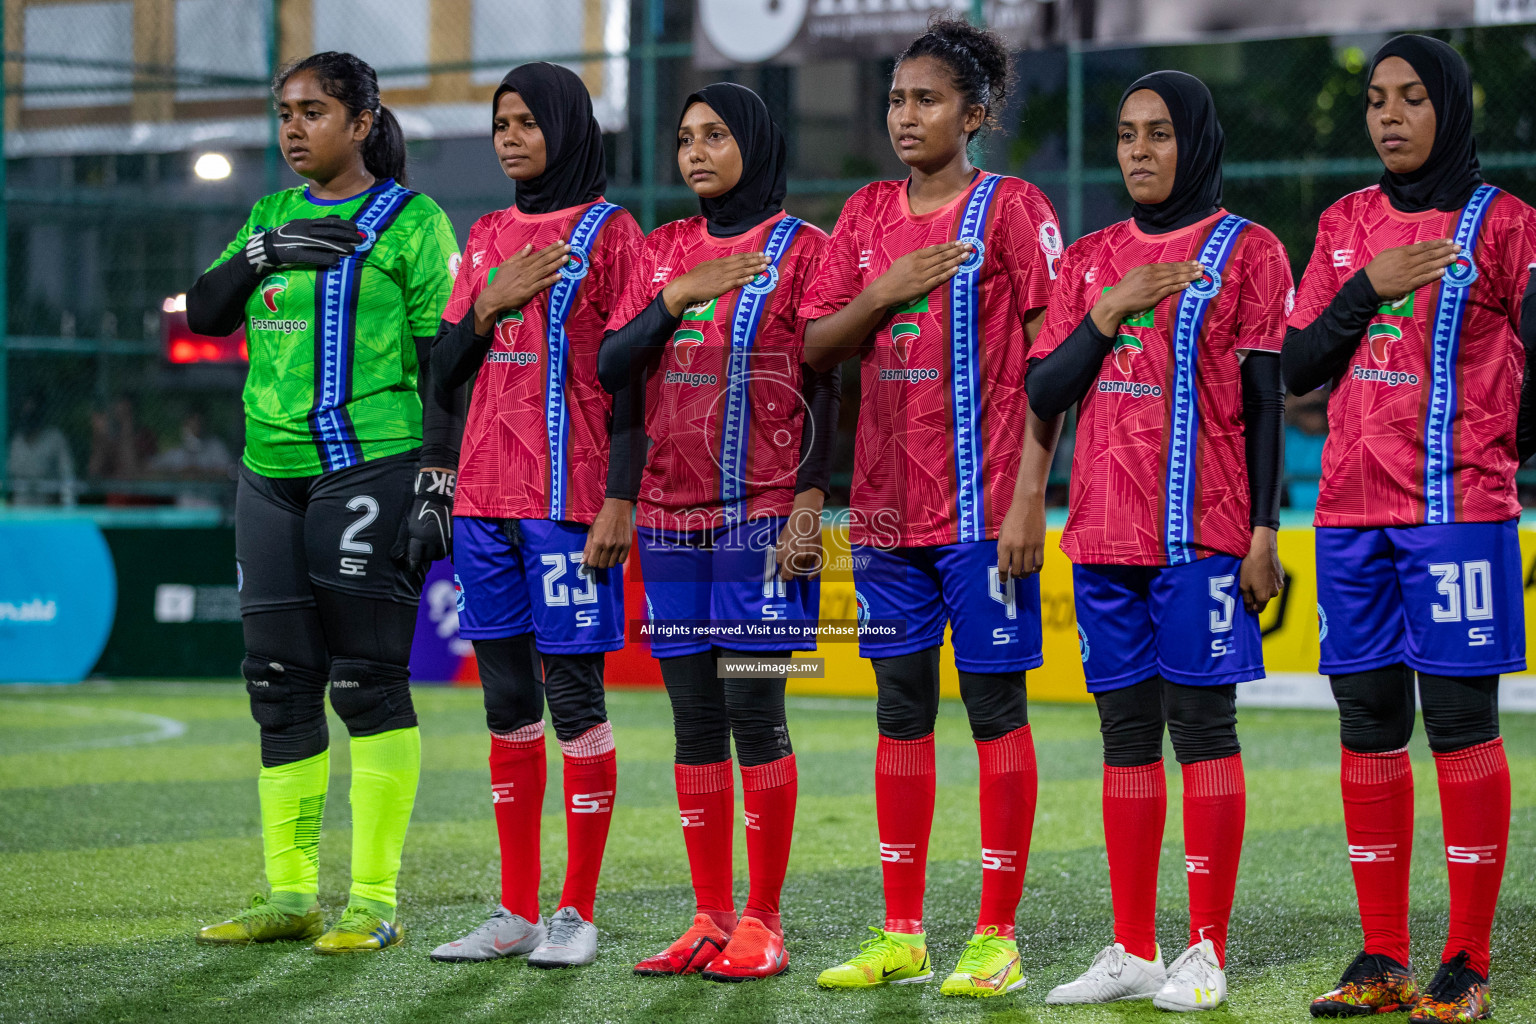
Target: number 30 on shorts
{"points": [[1466, 595]]}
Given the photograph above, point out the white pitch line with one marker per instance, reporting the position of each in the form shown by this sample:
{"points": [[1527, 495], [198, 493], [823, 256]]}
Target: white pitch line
{"points": [[161, 728]]}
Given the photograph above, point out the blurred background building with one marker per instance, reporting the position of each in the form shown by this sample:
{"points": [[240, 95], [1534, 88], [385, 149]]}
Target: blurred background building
{"points": [[138, 133]]}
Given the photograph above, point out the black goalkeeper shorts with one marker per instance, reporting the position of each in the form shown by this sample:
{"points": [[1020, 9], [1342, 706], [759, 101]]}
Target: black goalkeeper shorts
{"points": [[335, 530]]}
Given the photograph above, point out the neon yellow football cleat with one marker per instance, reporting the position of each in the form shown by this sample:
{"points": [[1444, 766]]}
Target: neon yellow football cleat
{"points": [[889, 958], [359, 931], [262, 922], [988, 967]]}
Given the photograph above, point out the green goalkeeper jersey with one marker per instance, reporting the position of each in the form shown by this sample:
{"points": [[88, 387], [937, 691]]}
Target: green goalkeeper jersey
{"points": [[333, 370]]}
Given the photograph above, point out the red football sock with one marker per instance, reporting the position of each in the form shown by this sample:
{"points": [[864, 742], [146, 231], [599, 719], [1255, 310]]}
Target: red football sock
{"points": [[1009, 783], [591, 773], [706, 797], [1215, 806], [904, 793], [1135, 808], [517, 791], [1474, 810], [1378, 825], [768, 791]]}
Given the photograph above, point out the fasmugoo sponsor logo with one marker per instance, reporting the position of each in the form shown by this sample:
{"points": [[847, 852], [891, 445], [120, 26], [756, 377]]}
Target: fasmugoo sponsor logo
{"points": [[1134, 388], [910, 373], [520, 358], [1391, 378], [693, 380], [283, 326], [35, 610]]}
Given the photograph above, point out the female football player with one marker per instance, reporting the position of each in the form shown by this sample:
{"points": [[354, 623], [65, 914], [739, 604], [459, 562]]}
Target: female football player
{"points": [[938, 284], [542, 523], [1412, 308], [332, 281], [730, 505], [1166, 327]]}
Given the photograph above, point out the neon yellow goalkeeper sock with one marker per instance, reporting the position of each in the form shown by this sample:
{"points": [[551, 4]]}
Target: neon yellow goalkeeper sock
{"points": [[292, 806], [385, 771]]}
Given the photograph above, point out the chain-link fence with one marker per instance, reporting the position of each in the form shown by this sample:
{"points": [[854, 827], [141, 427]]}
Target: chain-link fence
{"points": [[111, 210]]}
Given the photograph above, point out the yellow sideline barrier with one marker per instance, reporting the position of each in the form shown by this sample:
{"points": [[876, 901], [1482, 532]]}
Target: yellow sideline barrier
{"points": [[1289, 624]]}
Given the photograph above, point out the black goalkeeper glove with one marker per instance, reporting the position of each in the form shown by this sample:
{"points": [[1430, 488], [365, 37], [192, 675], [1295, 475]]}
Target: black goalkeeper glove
{"points": [[427, 533], [317, 242]]}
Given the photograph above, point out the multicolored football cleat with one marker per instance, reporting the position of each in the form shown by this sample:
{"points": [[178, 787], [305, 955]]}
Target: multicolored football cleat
{"points": [[989, 966], [262, 922], [889, 958], [359, 931], [1457, 993], [1372, 984], [755, 951], [694, 950]]}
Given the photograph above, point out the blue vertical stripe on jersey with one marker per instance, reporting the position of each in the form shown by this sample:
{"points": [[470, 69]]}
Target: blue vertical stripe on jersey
{"points": [[965, 372], [562, 299], [1445, 344], [735, 429], [1189, 320], [336, 290]]}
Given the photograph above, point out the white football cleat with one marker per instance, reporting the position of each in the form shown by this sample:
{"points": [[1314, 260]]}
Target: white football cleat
{"points": [[572, 942], [504, 934], [1195, 981], [1113, 977]]}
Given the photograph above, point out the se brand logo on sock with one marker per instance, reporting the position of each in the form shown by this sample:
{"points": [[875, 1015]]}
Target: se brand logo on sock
{"points": [[998, 860], [1470, 854], [593, 803]]}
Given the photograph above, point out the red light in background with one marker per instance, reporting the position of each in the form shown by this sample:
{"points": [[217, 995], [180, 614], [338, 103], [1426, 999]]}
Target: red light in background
{"points": [[181, 345]]}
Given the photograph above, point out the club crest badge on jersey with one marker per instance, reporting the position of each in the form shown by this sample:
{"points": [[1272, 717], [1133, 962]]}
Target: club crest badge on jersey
{"points": [[1206, 285], [576, 264], [1051, 246], [1461, 273], [863, 608], [763, 283], [973, 262], [370, 236]]}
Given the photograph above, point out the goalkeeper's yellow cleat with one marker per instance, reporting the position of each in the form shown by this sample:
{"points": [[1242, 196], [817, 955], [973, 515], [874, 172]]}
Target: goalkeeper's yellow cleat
{"points": [[359, 931], [262, 922], [887, 959], [988, 967]]}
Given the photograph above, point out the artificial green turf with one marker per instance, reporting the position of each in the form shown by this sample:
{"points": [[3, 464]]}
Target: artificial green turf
{"points": [[113, 850]]}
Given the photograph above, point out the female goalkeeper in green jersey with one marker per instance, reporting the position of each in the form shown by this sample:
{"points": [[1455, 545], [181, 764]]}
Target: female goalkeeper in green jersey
{"points": [[346, 488]]}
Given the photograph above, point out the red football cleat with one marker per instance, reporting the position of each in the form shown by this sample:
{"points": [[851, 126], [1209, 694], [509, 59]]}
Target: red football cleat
{"points": [[694, 951], [753, 952]]}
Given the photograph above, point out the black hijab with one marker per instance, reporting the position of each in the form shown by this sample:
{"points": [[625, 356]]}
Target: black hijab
{"points": [[764, 182], [1451, 173], [1197, 174], [573, 142]]}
